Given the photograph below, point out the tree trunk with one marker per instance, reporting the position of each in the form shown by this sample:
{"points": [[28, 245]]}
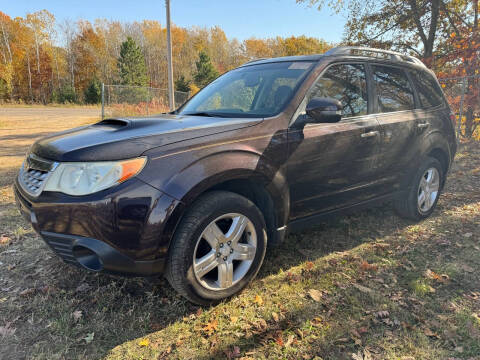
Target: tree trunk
{"points": [[7, 45], [38, 51], [469, 124], [29, 78]]}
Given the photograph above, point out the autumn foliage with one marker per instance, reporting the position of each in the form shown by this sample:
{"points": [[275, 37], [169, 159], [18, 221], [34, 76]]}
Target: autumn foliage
{"points": [[42, 60]]}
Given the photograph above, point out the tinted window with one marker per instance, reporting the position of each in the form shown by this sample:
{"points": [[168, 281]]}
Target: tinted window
{"points": [[394, 92], [428, 90], [346, 83]]}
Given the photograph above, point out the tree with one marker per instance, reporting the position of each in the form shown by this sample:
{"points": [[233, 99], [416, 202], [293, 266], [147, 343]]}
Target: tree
{"points": [[93, 93], [407, 25], [182, 84], [205, 73], [459, 56], [131, 64]]}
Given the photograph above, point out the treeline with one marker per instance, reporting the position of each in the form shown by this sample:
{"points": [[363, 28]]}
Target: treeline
{"points": [[42, 60]]}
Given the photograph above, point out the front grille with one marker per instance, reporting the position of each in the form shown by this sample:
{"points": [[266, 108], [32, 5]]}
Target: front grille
{"points": [[33, 180], [62, 246], [34, 173]]}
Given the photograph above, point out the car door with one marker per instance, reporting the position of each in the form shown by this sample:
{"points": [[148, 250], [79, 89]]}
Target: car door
{"points": [[333, 165], [394, 103]]}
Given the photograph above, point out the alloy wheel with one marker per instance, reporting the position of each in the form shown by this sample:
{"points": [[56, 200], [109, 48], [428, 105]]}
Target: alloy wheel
{"points": [[224, 252], [428, 189]]}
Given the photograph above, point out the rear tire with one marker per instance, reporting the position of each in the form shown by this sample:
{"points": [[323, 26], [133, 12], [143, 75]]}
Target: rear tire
{"points": [[422, 196], [205, 265]]}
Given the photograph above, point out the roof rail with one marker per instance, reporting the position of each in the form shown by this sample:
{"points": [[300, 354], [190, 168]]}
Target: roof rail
{"points": [[371, 52]]}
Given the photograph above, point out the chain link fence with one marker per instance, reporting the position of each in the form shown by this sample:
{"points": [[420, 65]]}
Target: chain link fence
{"points": [[463, 95], [122, 100]]}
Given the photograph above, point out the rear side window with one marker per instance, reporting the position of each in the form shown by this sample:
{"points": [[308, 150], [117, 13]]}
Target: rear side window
{"points": [[394, 92], [428, 90], [346, 83]]}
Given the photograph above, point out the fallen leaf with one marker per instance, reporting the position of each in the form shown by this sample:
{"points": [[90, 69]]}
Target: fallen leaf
{"points": [[430, 333], [365, 266], [309, 265], [316, 321], [89, 338], [279, 339], [355, 333], [233, 319], [258, 300], [289, 340], [382, 314], [291, 277], [4, 240], [144, 342], [77, 314], [467, 235], [211, 327], [275, 316], [261, 324], [315, 294], [434, 276], [27, 292]]}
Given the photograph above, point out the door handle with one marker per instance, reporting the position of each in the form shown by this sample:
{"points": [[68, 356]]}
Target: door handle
{"points": [[423, 125], [370, 134]]}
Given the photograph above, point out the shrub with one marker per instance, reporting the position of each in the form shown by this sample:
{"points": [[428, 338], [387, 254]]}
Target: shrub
{"points": [[93, 93], [66, 94]]}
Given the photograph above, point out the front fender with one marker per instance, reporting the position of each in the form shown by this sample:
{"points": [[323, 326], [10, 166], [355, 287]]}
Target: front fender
{"points": [[188, 181]]}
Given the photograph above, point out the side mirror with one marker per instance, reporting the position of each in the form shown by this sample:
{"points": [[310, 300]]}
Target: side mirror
{"points": [[324, 110]]}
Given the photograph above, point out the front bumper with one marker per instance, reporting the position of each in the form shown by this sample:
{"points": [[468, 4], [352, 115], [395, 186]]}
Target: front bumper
{"points": [[124, 230], [96, 255]]}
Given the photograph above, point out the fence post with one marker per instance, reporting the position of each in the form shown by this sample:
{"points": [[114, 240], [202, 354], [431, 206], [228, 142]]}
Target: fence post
{"points": [[103, 100], [460, 115]]}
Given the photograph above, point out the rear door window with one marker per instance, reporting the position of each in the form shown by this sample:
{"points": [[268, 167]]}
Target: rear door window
{"points": [[346, 83], [393, 89], [429, 92]]}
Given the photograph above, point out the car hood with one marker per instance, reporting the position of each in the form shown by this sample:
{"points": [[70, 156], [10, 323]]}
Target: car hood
{"points": [[122, 138]]}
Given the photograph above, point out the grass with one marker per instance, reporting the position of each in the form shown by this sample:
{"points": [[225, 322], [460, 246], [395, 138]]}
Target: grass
{"points": [[367, 286]]}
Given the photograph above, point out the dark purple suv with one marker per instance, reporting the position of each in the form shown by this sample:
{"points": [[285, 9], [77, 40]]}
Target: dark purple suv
{"points": [[265, 149]]}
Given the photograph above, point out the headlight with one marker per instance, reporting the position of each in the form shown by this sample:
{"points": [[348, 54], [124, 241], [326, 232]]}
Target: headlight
{"points": [[81, 178]]}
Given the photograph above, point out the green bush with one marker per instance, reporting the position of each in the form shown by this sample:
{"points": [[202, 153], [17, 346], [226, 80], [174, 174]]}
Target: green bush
{"points": [[93, 93], [66, 94]]}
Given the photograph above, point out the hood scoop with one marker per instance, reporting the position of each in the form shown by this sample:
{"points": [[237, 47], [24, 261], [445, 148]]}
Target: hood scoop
{"points": [[113, 123]]}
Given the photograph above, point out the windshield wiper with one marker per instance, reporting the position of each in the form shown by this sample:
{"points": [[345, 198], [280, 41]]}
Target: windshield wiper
{"points": [[202, 113]]}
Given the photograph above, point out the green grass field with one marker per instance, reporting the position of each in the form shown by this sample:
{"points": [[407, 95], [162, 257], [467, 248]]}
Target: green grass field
{"points": [[367, 286]]}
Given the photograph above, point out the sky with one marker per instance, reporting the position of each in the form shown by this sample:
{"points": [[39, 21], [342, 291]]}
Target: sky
{"points": [[239, 19]]}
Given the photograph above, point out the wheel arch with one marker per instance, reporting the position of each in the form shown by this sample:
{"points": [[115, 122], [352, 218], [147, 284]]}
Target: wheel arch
{"points": [[442, 156]]}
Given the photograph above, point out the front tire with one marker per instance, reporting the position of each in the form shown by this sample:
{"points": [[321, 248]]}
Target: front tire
{"points": [[422, 196], [217, 249]]}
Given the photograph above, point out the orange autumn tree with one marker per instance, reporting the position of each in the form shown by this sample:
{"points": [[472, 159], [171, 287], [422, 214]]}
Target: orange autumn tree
{"points": [[459, 57]]}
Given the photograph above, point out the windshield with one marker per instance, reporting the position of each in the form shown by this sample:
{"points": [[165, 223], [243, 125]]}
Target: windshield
{"points": [[252, 91]]}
